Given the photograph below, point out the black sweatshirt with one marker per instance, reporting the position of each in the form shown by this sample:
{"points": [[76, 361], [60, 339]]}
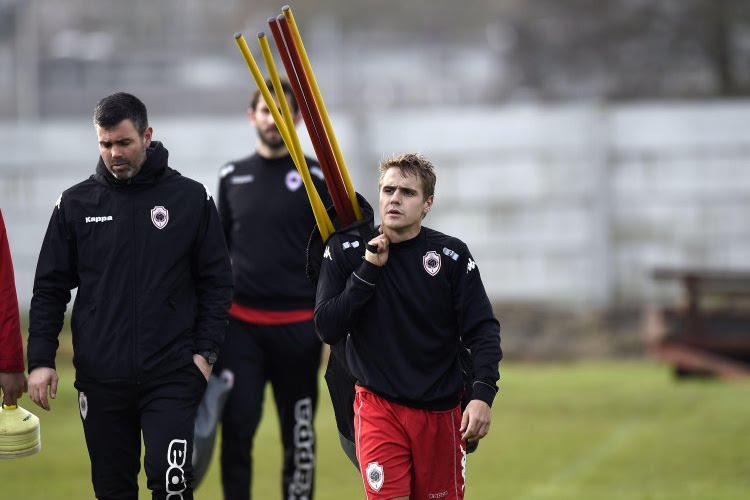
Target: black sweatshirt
{"points": [[152, 271], [405, 320], [267, 221]]}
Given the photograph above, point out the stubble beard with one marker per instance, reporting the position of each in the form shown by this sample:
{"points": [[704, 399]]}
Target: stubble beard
{"points": [[272, 139], [133, 168]]}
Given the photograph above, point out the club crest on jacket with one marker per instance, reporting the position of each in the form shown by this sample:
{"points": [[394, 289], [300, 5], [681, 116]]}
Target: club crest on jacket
{"points": [[431, 262], [293, 180], [159, 216]]}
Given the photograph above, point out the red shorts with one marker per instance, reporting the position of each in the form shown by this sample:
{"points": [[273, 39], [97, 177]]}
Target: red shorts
{"points": [[407, 452]]}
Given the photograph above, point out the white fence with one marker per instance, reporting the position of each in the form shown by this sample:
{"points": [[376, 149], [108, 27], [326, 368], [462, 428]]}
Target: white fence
{"points": [[570, 204]]}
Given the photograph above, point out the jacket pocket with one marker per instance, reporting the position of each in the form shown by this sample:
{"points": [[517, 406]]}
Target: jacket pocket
{"points": [[82, 318], [166, 319]]}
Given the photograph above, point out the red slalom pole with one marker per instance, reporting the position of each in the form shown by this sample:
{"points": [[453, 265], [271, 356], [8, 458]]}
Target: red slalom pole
{"points": [[311, 115], [320, 103]]}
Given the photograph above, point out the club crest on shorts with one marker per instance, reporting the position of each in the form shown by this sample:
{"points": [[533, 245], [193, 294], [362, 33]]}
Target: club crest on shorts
{"points": [[374, 473], [159, 216], [431, 262], [83, 404]]}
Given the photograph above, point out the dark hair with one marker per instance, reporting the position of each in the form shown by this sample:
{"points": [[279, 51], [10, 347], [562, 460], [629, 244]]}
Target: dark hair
{"points": [[412, 164], [113, 109], [288, 92]]}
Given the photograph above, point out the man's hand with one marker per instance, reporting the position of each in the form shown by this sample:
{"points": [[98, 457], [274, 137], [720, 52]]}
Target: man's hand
{"points": [[202, 365], [12, 386], [379, 256], [475, 423], [41, 380]]}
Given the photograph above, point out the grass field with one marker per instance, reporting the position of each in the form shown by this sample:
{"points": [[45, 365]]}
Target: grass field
{"points": [[583, 431]]}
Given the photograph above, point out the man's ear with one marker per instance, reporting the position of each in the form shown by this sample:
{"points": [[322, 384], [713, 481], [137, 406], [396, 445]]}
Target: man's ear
{"points": [[251, 115], [147, 136], [428, 203]]}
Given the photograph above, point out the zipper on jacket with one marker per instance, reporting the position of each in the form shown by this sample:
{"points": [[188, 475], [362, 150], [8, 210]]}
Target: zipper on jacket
{"points": [[134, 293]]}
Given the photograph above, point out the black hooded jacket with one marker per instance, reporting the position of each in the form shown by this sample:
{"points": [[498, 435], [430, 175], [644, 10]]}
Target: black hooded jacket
{"points": [[152, 270]]}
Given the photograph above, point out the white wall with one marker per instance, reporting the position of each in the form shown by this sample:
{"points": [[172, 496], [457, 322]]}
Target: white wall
{"points": [[570, 204]]}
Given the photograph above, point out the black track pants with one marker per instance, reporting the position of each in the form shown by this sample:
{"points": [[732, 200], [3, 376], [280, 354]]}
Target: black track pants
{"points": [[114, 416], [288, 356]]}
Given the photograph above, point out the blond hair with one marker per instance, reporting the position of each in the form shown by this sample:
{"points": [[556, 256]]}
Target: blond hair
{"points": [[414, 164]]}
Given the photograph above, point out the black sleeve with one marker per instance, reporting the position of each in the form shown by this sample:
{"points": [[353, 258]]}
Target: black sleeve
{"points": [[56, 275], [480, 330], [213, 278], [225, 214], [342, 292]]}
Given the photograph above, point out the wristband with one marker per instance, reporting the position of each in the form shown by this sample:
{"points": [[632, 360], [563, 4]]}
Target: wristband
{"points": [[371, 248]]}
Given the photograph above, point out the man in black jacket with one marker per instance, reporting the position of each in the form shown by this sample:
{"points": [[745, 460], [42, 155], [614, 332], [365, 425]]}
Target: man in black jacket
{"points": [[405, 301], [267, 222], [144, 247]]}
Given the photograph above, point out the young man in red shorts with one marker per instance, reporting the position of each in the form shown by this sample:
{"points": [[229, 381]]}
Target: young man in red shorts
{"points": [[408, 301]]}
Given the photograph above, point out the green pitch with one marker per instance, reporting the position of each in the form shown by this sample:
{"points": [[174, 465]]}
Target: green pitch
{"points": [[583, 431]]}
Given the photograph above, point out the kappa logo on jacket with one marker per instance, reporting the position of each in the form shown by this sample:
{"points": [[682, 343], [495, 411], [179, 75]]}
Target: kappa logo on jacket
{"points": [[241, 179], [159, 216], [105, 218]]}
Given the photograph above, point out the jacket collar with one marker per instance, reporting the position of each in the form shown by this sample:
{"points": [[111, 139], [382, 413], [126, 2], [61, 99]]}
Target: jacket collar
{"points": [[153, 169]]}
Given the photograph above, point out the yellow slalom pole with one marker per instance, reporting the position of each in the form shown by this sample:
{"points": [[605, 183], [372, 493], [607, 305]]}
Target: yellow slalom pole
{"points": [[297, 154], [322, 219], [295, 148], [261, 83], [287, 11]]}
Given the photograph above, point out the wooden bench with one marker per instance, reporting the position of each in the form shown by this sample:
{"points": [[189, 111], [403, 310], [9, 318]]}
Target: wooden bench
{"points": [[708, 331]]}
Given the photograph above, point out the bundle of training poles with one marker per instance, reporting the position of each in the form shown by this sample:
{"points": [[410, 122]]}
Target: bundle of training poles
{"points": [[310, 102]]}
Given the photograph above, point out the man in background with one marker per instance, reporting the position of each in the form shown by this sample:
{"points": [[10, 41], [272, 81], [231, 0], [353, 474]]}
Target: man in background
{"points": [[267, 221]]}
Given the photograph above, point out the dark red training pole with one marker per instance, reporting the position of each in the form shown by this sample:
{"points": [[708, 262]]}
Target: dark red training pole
{"points": [[311, 115]]}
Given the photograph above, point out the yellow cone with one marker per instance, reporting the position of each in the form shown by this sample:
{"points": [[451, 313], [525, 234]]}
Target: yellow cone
{"points": [[20, 434]]}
